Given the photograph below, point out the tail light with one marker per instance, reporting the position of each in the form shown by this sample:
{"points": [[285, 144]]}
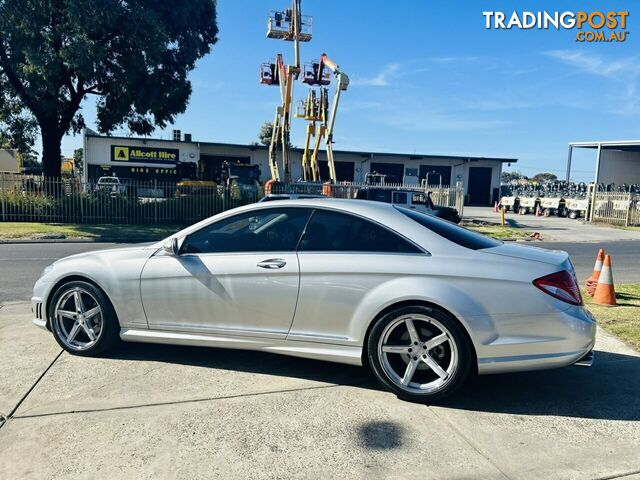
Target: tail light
{"points": [[561, 285]]}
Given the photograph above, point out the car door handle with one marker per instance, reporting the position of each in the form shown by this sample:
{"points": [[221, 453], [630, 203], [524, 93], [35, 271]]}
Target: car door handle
{"points": [[272, 263]]}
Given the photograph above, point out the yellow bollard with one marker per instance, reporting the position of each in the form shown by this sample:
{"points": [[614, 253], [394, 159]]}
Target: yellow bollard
{"points": [[502, 212]]}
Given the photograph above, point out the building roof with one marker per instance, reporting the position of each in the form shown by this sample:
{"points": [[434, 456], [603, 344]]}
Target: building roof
{"points": [[626, 145], [364, 154]]}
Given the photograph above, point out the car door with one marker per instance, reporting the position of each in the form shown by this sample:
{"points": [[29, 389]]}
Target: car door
{"points": [[343, 257], [239, 275]]}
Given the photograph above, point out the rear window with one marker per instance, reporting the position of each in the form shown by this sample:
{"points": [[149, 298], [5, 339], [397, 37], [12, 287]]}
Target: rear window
{"points": [[451, 231]]}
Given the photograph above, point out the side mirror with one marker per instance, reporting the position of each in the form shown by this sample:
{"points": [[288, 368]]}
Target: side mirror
{"points": [[170, 247]]}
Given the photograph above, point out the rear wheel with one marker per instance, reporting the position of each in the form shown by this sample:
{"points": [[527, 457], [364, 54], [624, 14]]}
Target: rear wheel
{"points": [[419, 353], [82, 319]]}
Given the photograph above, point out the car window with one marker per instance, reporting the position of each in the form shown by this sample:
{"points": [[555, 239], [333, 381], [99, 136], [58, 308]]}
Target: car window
{"points": [[418, 198], [451, 231], [268, 230], [400, 197], [340, 232]]}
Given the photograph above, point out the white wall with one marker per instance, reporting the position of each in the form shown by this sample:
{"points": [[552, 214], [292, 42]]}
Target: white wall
{"points": [[8, 161]]}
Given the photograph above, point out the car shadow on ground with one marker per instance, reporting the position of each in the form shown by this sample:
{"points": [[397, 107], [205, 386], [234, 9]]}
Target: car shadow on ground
{"points": [[607, 390]]}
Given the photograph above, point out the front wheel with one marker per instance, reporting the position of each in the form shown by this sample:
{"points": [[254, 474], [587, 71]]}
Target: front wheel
{"points": [[82, 319], [419, 353]]}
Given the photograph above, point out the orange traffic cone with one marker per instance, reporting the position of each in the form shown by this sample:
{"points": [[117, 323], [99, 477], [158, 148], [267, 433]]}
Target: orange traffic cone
{"points": [[592, 281], [538, 211], [605, 291], [495, 207]]}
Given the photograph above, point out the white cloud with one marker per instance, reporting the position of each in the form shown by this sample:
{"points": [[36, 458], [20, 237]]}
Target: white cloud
{"points": [[596, 64], [623, 97], [381, 79]]}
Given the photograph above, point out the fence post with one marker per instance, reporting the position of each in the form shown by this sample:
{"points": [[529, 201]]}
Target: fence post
{"points": [[155, 203], [626, 220], [3, 199]]}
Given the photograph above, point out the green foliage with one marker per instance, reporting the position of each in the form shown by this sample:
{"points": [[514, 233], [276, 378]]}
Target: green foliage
{"points": [[508, 177], [18, 128], [544, 177], [101, 207], [78, 160], [264, 135], [134, 55]]}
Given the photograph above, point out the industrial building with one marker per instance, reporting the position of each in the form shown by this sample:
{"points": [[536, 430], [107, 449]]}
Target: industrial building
{"points": [[172, 160], [616, 162]]}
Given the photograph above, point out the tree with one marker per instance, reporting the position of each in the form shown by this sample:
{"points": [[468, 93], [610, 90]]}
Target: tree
{"points": [[134, 56], [508, 177], [264, 135], [544, 177], [17, 127], [78, 160]]}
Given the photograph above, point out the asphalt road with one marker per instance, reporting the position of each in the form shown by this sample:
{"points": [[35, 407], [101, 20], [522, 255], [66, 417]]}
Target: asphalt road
{"points": [[21, 264]]}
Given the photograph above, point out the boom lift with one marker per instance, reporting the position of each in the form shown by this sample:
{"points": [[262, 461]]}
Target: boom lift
{"points": [[316, 109], [287, 25]]}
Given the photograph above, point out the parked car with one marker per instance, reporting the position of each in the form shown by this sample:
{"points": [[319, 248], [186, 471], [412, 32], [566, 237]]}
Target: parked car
{"points": [[111, 185], [289, 196], [358, 282], [412, 199]]}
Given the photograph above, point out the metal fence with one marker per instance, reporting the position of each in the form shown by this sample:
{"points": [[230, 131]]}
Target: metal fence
{"points": [[616, 208], [440, 195], [36, 199]]}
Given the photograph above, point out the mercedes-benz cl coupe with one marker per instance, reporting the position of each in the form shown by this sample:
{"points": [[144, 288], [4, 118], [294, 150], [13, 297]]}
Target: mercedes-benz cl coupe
{"points": [[422, 302]]}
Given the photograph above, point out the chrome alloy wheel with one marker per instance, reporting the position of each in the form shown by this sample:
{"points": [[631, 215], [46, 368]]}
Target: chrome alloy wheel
{"points": [[418, 353], [78, 319]]}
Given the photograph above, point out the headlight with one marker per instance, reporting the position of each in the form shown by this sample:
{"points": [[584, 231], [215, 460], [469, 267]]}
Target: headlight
{"points": [[46, 270]]}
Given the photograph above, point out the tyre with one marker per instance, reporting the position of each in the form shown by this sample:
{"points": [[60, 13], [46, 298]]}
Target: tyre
{"points": [[82, 319], [573, 214], [421, 354], [547, 212]]}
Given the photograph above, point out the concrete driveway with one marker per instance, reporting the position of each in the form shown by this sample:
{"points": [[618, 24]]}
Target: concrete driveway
{"points": [[555, 229], [151, 411]]}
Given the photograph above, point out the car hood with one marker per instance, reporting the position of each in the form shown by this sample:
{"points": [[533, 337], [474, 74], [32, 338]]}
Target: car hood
{"points": [[536, 254], [144, 249]]}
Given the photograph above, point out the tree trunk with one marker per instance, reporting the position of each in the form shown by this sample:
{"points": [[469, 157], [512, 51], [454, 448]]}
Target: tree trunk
{"points": [[51, 153]]}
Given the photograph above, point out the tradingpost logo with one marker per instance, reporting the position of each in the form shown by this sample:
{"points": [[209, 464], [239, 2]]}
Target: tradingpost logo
{"points": [[598, 26]]}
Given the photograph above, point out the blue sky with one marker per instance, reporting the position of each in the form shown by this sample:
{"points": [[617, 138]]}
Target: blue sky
{"points": [[427, 77]]}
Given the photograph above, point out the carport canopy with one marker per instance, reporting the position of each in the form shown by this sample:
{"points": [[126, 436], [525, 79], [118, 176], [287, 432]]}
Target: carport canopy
{"points": [[616, 161]]}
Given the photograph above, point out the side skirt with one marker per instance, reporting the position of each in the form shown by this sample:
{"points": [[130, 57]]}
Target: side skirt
{"points": [[316, 351]]}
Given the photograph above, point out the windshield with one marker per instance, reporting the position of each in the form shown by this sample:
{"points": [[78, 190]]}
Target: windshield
{"points": [[451, 231]]}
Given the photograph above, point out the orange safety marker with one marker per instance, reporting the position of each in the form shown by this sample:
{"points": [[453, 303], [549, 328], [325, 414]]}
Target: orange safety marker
{"points": [[605, 291], [592, 281]]}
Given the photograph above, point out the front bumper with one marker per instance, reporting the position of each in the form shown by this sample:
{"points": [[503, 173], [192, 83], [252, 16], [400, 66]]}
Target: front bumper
{"points": [[38, 303], [39, 313]]}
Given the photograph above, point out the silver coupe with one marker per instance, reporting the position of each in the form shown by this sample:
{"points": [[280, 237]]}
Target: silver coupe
{"points": [[423, 302]]}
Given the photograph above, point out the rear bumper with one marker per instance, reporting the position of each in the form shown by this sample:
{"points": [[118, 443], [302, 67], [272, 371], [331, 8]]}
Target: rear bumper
{"points": [[552, 341]]}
